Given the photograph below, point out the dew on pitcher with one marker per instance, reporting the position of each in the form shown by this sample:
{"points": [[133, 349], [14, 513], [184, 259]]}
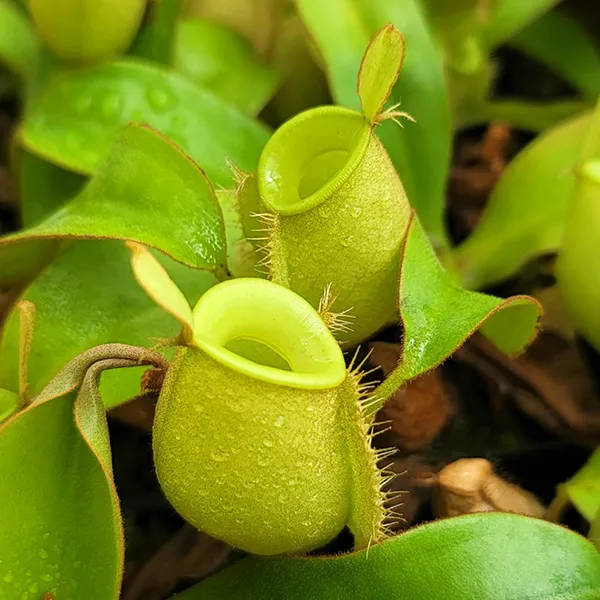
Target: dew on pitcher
{"points": [[219, 455], [279, 421], [8, 577], [43, 553], [34, 588], [356, 211]]}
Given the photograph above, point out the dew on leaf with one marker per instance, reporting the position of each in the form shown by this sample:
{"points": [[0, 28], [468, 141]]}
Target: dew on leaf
{"points": [[111, 103], [158, 99]]}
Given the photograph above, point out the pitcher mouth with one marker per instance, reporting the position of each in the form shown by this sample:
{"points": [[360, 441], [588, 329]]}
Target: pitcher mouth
{"points": [[266, 331], [310, 157]]}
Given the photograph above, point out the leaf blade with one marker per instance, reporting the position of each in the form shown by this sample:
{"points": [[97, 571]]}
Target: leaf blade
{"points": [[110, 95], [126, 200], [474, 556], [438, 315], [379, 70]]}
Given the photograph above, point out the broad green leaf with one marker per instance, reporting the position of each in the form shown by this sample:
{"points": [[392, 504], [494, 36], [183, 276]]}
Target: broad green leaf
{"points": [[421, 152], [9, 401], [61, 529], [493, 556], [147, 191], [81, 112], [511, 16], [219, 59], [583, 489], [560, 42], [18, 43], [157, 37], [88, 297], [520, 114], [379, 70], [43, 187], [525, 214], [438, 315]]}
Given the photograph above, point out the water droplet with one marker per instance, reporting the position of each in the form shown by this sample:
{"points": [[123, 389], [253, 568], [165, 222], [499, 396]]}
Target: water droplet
{"points": [[219, 455], [111, 103], [310, 408], [292, 482], [8, 577], [43, 553], [74, 584], [279, 421], [177, 437], [356, 211], [268, 443], [47, 577], [159, 99], [199, 408], [33, 588], [46, 535], [77, 564]]}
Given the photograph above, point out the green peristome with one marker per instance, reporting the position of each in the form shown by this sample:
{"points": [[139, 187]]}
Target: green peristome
{"points": [[259, 437], [578, 265], [340, 215], [87, 31]]}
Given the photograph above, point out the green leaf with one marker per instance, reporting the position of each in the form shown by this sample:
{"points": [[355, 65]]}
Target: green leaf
{"points": [[576, 57], [583, 489], [511, 16], [379, 70], [9, 401], [81, 112], [126, 200], [494, 556], [421, 152], [43, 187], [88, 297], [61, 529], [525, 214], [156, 38], [219, 59], [18, 42], [438, 315]]}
